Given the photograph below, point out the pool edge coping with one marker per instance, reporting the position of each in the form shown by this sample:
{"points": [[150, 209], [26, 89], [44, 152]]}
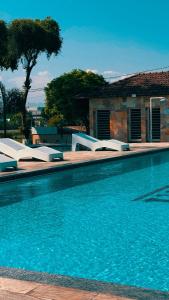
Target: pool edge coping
{"points": [[90, 285], [48, 170]]}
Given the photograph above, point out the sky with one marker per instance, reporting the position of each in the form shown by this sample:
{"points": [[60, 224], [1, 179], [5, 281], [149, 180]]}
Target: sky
{"points": [[109, 37]]}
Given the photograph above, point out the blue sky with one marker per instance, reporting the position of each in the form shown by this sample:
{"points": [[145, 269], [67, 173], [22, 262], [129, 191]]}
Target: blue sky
{"points": [[108, 36]]}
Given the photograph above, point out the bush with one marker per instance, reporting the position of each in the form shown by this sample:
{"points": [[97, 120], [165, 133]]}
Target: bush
{"points": [[55, 120]]}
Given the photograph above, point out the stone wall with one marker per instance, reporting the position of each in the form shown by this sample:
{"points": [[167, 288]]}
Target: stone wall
{"points": [[119, 115]]}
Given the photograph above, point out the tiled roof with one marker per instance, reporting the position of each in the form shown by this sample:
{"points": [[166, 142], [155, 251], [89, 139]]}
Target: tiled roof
{"points": [[143, 84]]}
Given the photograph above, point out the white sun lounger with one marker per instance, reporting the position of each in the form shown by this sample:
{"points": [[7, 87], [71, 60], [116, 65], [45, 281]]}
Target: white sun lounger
{"points": [[7, 162], [19, 151], [94, 144]]}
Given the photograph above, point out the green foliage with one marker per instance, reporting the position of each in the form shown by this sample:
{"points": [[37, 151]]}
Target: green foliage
{"points": [[14, 121], [14, 101], [66, 94], [3, 96], [11, 116], [7, 57], [50, 112], [3, 44], [27, 40], [55, 120]]}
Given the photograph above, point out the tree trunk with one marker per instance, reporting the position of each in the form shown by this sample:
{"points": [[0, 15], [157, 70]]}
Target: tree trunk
{"points": [[27, 86], [4, 117], [25, 126], [3, 94]]}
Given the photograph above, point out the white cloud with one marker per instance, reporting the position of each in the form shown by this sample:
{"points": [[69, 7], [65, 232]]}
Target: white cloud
{"points": [[111, 75], [44, 73], [110, 72], [16, 81], [119, 78], [92, 70], [39, 81]]}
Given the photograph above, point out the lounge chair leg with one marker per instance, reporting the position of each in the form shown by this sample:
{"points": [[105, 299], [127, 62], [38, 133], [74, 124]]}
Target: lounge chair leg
{"points": [[74, 146]]}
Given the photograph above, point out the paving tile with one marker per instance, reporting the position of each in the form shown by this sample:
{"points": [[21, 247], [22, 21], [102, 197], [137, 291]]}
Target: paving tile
{"points": [[18, 286], [47, 292], [110, 297], [6, 295]]}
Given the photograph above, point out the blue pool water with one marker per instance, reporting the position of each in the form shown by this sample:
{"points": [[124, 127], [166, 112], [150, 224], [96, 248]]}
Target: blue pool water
{"points": [[107, 222]]}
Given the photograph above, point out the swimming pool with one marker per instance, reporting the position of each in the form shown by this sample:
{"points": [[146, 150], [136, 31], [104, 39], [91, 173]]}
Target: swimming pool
{"points": [[107, 222]]}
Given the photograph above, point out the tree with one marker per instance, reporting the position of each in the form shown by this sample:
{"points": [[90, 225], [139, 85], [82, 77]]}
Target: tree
{"points": [[3, 97], [15, 121], [7, 58], [3, 44], [14, 100], [68, 95], [12, 105], [7, 61], [27, 40]]}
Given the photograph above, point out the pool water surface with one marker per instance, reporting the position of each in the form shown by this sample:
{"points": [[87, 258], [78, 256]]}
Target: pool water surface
{"points": [[107, 222]]}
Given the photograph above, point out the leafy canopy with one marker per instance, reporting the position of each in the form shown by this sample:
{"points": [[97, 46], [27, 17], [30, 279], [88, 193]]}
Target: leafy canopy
{"points": [[63, 94], [14, 101], [29, 38], [4, 62]]}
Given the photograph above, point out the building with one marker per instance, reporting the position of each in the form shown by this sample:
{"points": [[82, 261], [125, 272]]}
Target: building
{"points": [[122, 109], [44, 135], [36, 114]]}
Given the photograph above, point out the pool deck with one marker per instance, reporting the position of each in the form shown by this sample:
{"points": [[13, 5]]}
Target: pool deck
{"points": [[76, 159], [11, 289], [14, 287], [65, 288]]}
